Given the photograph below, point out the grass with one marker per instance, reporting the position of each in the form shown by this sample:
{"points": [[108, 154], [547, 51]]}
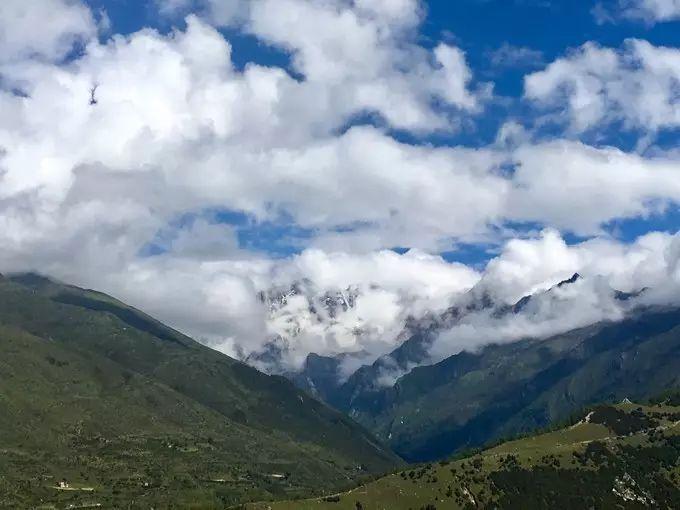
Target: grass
{"points": [[107, 398], [575, 467]]}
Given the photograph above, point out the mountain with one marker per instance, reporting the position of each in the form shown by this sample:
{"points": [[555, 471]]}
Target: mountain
{"points": [[292, 311], [347, 326], [473, 397], [617, 456], [419, 336], [413, 350], [320, 374], [304, 312], [128, 410], [428, 411]]}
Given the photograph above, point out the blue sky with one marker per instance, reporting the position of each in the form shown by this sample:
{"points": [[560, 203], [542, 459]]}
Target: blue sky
{"points": [[536, 31], [480, 27], [343, 144]]}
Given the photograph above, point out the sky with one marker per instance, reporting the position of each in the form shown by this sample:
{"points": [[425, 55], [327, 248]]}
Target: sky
{"points": [[191, 156]]}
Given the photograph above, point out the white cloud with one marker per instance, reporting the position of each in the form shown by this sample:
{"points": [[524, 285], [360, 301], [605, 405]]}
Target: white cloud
{"points": [[565, 309], [536, 265], [178, 132], [177, 129], [371, 297], [649, 11], [362, 56], [594, 86], [43, 28], [216, 299], [510, 56], [220, 12], [577, 187], [173, 109], [527, 266], [359, 56]]}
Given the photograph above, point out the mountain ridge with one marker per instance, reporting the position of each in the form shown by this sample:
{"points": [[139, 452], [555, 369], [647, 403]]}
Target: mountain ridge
{"points": [[536, 369], [110, 385], [471, 398]]}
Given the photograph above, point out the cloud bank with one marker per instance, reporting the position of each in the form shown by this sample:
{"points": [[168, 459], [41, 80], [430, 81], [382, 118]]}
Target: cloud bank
{"points": [[646, 272], [135, 193], [64, 23]]}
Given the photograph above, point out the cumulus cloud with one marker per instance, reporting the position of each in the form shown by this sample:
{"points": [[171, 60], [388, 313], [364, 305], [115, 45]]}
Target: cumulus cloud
{"points": [[648, 11], [577, 187], [125, 195], [360, 56], [327, 303], [646, 269], [360, 303], [529, 266], [594, 86], [219, 12], [251, 139], [45, 29]]}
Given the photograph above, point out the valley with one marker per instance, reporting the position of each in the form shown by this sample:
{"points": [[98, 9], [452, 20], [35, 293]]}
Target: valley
{"points": [[432, 410], [112, 407], [340, 254]]}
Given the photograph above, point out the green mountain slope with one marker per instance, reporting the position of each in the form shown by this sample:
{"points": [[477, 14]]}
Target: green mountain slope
{"points": [[472, 398], [624, 456], [106, 397]]}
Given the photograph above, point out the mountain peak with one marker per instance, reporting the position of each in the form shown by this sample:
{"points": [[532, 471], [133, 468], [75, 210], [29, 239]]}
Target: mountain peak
{"points": [[134, 383], [31, 279], [574, 278]]}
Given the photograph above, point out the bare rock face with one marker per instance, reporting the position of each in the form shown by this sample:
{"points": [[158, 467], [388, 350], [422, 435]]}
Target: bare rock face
{"points": [[628, 490]]}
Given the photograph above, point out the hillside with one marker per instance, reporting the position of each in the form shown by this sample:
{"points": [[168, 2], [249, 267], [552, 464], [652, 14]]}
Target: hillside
{"points": [[472, 398], [622, 456], [130, 411], [506, 385]]}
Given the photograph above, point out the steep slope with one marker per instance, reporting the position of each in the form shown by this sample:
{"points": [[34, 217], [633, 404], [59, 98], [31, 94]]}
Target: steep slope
{"points": [[471, 398], [97, 392], [418, 337], [430, 411], [624, 456], [320, 374]]}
